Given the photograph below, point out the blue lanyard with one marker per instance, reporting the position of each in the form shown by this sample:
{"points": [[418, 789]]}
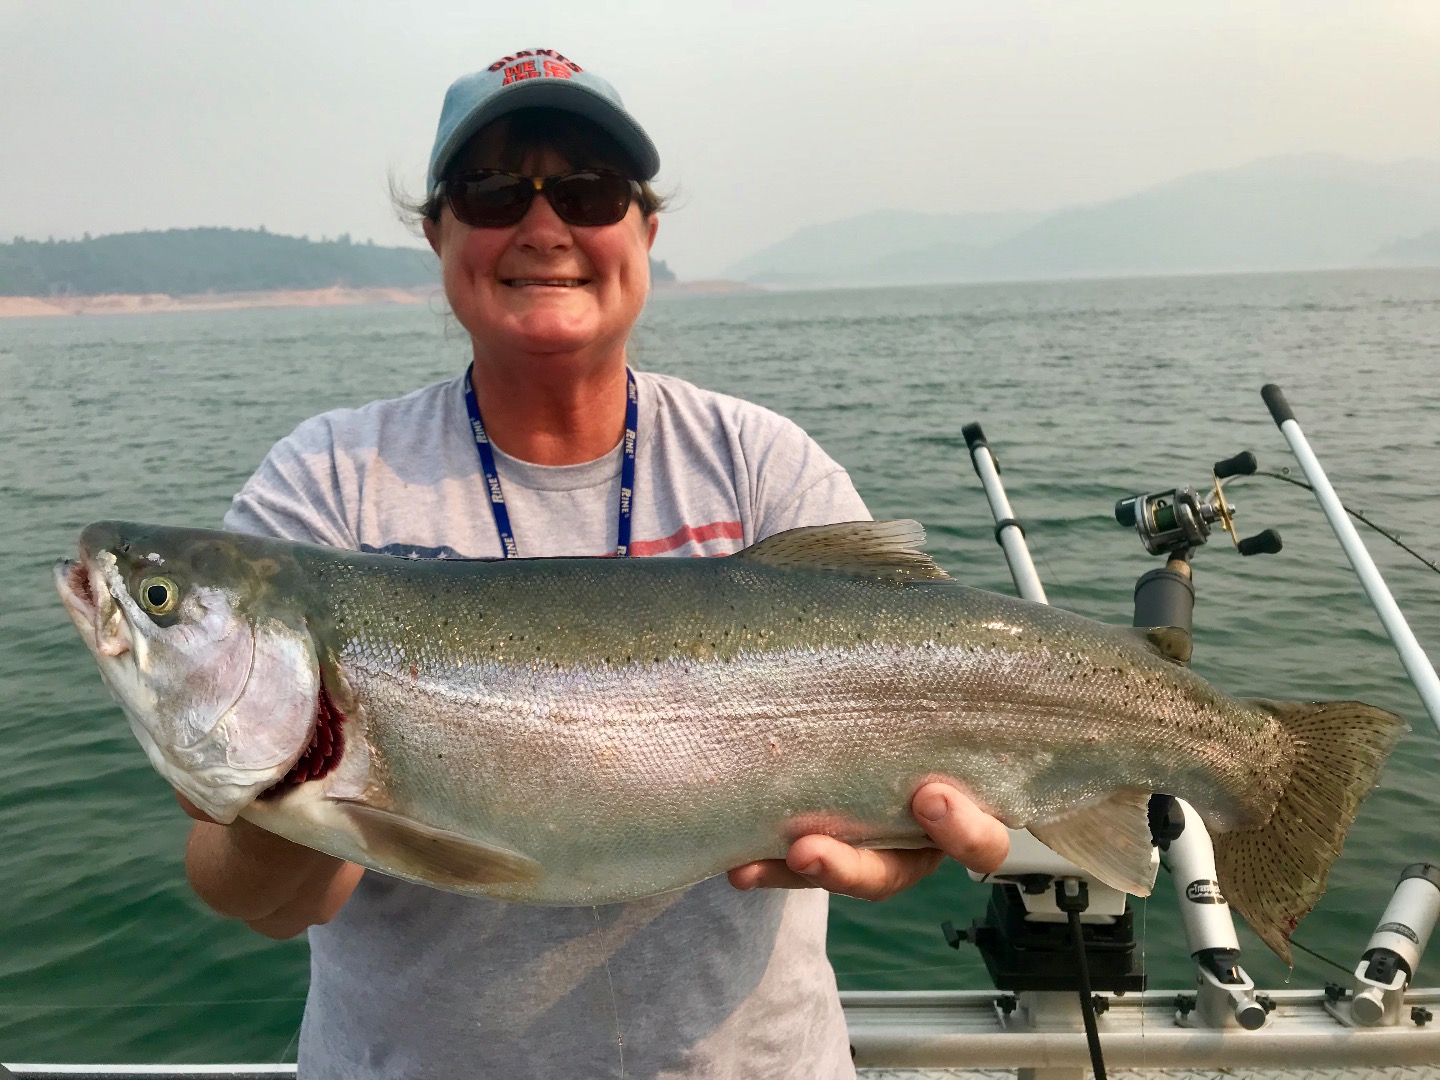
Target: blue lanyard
{"points": [[492, 477]]}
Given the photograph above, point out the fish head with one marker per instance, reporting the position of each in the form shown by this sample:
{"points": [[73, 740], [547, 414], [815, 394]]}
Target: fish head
{"points": [[207, 653]]}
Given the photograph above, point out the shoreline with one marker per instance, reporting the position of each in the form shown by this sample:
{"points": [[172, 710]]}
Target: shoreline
{"points": [[40, 307], [19, 307]]}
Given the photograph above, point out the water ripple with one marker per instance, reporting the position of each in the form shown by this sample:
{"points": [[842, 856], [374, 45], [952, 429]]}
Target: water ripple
{"points": [[1088, 391]]}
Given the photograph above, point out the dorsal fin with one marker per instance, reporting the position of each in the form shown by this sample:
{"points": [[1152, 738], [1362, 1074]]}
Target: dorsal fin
{"points": [[1171, 642], [884, 550]]}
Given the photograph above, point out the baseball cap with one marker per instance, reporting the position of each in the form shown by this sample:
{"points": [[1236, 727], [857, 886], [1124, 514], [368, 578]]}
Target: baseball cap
{"points": [[529, 79]]}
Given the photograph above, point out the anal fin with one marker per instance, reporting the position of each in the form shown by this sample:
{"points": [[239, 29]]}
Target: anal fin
{"points": [[438, 856], [1110, 840]]}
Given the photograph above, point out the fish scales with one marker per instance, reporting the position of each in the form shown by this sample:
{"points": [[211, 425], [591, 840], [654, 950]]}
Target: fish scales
{"points": [[583, 731], [670, 677]]}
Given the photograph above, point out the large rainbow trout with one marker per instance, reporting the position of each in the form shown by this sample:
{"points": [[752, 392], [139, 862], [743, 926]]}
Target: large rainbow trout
{"points": [[584, 731]]}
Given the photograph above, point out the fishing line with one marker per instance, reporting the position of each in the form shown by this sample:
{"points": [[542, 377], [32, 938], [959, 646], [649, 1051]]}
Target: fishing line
{"points": [[1058, 586], [285, 1054], [1356, 514], [614, 1005], [1144, 937], [1317, 956], [896, 970]]}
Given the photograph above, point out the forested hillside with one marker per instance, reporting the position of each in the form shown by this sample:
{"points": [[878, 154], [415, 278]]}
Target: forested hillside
{"points": [[179, 262]]}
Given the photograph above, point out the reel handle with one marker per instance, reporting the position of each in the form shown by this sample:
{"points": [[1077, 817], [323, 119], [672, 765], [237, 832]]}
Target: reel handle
{"points": [[1242, 464], [1262, 543]]}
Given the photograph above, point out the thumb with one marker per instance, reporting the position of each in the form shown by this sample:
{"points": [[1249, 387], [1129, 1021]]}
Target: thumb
{"points": [[961, 829]]}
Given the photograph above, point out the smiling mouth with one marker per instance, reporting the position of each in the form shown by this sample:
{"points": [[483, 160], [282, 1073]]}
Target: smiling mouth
{"points": [[549, 283]]}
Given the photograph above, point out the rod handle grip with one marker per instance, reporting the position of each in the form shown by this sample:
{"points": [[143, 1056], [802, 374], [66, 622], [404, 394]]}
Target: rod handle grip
{"points": [[973, 436], [1242, 464], [1262, 543], [1280, 410]]}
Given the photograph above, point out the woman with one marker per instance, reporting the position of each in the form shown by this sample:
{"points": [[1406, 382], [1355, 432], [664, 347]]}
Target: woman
{"points": [[542, 218]]}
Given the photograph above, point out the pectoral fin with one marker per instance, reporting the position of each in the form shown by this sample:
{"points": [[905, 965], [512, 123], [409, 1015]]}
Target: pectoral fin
{"points": [[1110, 840], [438, 856]]}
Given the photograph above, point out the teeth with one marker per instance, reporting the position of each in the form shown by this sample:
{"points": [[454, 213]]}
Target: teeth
{"points": [[568, 283]]}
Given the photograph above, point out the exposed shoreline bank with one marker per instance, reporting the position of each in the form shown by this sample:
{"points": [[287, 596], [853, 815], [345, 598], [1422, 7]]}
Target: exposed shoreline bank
{"points": [[26, 307], [141, 304]]}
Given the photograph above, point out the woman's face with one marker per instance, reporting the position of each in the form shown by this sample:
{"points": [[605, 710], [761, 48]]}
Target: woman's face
{"points": [[543, 287]]}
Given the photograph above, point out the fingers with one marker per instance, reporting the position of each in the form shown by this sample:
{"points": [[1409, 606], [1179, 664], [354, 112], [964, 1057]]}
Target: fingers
{"points": [[822, 862], [953, 822], [193, 810], [961, 829], [768, 874], [864, 874]]}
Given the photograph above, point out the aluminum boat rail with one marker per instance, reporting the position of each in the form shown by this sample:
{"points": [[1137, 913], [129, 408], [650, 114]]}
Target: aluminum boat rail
{"points": [[960, 1034]]}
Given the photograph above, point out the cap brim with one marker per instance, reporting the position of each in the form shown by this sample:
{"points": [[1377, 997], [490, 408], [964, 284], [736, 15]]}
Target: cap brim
{"points": [[569, 97]]}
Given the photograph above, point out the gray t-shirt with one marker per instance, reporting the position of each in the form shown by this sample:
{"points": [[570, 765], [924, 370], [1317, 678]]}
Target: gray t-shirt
{"points": [[709, 982]]}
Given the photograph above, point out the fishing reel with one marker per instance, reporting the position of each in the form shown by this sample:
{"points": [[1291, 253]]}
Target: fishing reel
{"points": [[1176, 522]]}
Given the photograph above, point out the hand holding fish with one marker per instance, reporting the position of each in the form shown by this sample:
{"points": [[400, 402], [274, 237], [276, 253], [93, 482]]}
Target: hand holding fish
{"points": [[274, 886], [958, 827]]}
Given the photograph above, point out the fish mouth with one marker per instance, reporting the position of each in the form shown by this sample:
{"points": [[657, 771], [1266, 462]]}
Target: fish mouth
{"points": [[77, 593], [75, 586], [87, 597]]}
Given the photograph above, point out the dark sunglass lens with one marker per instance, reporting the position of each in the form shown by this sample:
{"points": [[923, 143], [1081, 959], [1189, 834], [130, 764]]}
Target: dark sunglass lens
{"points": [[587, 198], [490, 202]]}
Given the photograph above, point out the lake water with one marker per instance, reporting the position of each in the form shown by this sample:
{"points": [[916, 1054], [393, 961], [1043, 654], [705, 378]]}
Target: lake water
{"points": [[1088, 392]]}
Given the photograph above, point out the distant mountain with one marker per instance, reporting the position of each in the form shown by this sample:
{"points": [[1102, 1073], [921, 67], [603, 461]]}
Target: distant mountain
{"points": [[1291, 213], [180, 262], [850, 249], [1422, 250]]}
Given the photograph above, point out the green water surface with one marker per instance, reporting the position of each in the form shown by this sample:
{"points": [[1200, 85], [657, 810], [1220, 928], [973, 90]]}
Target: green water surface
{"points": [[1088, 392]]}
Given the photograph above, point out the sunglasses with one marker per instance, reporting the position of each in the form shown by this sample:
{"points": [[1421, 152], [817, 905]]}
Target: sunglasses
{"points": [[490, 199]]}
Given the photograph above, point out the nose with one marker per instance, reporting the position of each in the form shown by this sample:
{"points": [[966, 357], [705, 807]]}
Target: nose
{"points": [[541, 228]]}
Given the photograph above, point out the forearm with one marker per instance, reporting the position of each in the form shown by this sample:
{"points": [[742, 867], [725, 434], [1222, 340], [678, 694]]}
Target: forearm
{"points": [[275, 886]]}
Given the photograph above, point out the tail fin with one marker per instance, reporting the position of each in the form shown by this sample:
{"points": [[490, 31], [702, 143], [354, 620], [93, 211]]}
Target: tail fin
{"points": [[1275, 873]]}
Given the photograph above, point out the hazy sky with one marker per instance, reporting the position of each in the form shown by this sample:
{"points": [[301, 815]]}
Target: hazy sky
{"points": [[293, 113]]}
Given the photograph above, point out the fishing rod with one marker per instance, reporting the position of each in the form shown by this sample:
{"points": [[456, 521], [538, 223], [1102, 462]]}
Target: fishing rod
{"points": [[1009, 533], [1412, 656]]}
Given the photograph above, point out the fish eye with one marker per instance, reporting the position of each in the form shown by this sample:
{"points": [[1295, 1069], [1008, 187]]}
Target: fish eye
{"points": [[159, 595]]}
